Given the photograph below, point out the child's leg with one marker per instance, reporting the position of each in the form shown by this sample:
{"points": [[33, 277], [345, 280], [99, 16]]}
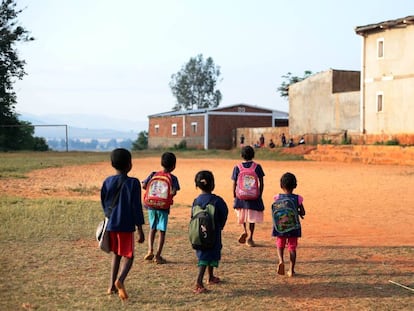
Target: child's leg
{"points": [[291, 271], [280, 245], [211, 278], [292, 245], [200, 277], [151, 238], [161, 241], [251, 229], [124, 272], [243, 236], [116, 260]]}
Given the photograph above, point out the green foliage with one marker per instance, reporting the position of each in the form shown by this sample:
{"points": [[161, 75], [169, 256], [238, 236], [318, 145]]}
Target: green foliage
{"points": [[195, 84], [14, 134], [325, 141], [392, 142], [289, 79], [182, 145], [142, 141]]}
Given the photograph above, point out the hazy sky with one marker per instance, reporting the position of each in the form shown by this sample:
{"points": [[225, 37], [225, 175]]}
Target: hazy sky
{"points": [[116, 58]]}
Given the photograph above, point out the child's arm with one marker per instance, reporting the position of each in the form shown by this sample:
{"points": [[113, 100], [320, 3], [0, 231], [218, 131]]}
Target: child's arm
{"points": [[301, 211]]}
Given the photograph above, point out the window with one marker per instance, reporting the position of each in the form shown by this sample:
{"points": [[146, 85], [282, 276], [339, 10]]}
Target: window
{"points": [[241, 109], [194, 127], [174, 129], [156, 128], [380, 101], [380, 48]]}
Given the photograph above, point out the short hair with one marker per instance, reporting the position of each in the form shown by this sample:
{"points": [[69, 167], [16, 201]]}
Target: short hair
{"points": [[168, 161], [121, 159], [247, 153], [205, 181], [288, 181]]}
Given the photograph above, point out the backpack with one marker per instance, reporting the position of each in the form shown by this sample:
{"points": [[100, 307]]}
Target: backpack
{"points": [[285, 213], [247, 186], [158, 194], [201, 230]]}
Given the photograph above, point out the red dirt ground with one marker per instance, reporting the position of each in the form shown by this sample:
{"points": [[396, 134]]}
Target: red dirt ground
{"points": [[346, 203]]}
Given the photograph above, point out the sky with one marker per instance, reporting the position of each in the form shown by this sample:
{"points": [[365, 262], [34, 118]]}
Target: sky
{"points": [[116, 58]]}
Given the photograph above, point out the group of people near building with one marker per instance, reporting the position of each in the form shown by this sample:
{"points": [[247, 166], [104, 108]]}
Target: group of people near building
{"points": [[261, 142]]}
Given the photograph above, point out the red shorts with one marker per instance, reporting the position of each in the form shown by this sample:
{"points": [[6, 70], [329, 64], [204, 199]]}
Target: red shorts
{"points": [[122, 243], [290, 242]]}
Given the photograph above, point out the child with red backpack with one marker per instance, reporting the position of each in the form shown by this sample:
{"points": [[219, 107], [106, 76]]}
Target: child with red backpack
{"points": [[247, 192], [160, 188]]}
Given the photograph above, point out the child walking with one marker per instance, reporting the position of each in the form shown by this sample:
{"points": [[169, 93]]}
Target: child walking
{"points": [[158, 218], [209, 259], [290, 239], [249, 210], [125, 217]]}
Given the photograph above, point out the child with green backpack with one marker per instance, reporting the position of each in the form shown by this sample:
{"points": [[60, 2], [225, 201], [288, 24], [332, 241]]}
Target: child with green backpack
{"points": [[209, 254]]}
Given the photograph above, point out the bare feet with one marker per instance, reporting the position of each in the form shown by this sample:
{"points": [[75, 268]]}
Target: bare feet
{"points": [[121, 290], [281, 268]]}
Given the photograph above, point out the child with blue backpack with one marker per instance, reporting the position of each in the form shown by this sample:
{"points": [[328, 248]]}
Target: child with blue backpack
{"points": [[248, 188], [209, 258], [286, 210]]}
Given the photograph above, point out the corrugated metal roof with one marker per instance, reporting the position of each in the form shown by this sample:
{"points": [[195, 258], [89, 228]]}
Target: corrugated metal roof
{"points": [[277, 113], [372, 28]]}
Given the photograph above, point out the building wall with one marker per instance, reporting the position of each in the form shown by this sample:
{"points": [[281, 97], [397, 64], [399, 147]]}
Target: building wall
{"points": [[392, 76], [315, 108]]}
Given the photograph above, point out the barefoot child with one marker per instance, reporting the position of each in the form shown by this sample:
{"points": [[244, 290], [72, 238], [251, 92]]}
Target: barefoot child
{"points": [[248, 206], [287, 228], [209, 258], [157, 215], [125, 217]]}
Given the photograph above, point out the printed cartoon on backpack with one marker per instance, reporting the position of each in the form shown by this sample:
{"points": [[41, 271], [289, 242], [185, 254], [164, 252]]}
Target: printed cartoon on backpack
{"points": [[247, 187], [158, 194], [285, 213], [202, 228]]}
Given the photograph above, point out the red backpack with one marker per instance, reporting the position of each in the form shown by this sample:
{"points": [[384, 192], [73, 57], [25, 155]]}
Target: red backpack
{"points": [[158, 194], [247, 185]]}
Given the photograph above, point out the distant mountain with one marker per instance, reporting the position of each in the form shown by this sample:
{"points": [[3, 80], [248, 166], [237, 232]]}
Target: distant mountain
{"points": [[82, 126]]}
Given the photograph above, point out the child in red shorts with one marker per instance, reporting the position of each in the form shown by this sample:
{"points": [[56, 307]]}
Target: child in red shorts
{"points": [[288, 239], [126, 217]]}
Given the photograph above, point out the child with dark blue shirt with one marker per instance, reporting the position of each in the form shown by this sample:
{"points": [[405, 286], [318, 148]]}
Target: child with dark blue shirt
{"points": [[208, 259], [126, 217]]}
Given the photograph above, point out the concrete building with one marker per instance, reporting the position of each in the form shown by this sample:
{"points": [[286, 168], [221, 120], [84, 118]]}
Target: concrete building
{"points": [[326, 102], [387, 77]]}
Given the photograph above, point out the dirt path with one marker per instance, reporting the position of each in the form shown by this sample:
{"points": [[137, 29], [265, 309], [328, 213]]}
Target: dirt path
{"points": [[346, 204]]}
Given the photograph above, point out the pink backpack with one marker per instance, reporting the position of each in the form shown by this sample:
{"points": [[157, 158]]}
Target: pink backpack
{"points": [[247, 185]]}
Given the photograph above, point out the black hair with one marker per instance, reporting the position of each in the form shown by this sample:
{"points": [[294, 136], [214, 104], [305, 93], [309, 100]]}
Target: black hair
{"points": [[247, 153], [168, 161], [205, 181], [121, 160], [288, 181]]}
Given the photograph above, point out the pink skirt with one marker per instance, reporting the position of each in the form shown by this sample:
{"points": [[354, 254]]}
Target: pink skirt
{"points": [[245, 215]]}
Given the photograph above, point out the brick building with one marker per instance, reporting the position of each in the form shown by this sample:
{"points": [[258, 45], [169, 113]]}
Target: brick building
{"points": [[209, 128]]}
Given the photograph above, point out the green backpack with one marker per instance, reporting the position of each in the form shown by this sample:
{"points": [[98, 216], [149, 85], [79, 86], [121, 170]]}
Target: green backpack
{"points": [[201, 229]]}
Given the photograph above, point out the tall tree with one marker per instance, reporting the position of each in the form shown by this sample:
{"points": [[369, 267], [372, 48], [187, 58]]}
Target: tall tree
{"points": [[195, 84], [289, 79], [14, 134]]}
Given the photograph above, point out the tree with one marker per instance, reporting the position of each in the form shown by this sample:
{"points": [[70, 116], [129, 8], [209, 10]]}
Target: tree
{"points": [[195, 84], [14, 134], [142, 141], [283, 89]]}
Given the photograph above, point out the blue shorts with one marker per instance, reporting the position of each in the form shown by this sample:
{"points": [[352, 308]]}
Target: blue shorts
{"points": [[158, 219]]}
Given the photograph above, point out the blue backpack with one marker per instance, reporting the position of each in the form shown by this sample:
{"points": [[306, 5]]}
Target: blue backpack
{"points": [[285, 213]]}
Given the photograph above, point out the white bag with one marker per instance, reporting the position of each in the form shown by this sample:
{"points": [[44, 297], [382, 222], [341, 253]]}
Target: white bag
{"points": [[102, 236]]}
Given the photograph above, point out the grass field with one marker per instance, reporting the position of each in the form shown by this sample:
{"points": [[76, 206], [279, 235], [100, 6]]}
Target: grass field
{"points": [[50, 261]]}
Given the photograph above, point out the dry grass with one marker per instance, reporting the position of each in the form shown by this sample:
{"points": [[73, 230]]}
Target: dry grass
{"points": [[49, 261]]}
